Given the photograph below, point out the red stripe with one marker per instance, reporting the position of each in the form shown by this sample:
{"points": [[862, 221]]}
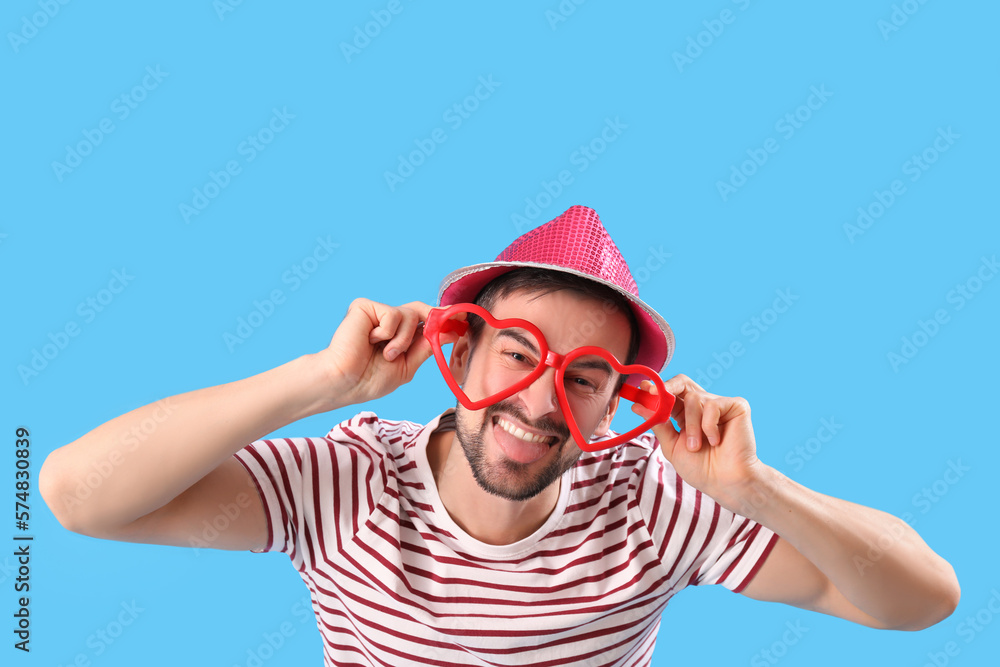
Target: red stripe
{"points": [[289, 518], [260, 492], [354, 605], [708, 537], [732, 566], [406, 568], [314, 483], [687, 537], [650, 618], [760, 561], [353, 455], [678, 498], [379, 557]]}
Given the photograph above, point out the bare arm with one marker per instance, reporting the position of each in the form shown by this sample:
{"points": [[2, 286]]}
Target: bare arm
{"points": [[847, 560], [824, 559], [136, 463], [155, 473]]}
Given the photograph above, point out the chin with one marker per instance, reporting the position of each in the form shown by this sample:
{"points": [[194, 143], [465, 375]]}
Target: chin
{"points": [[497, 474]]}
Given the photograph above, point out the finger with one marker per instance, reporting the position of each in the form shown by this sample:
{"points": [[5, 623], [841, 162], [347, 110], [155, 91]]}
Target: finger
{"points": [[692, 422], [664, 432], [388, 320], [683, 387], [420, 308], [710, 422], [403, 336], [731, 408], [416, 354], [681, 383], [668, 439], [647, 385], [677, 412], [360, 318]]}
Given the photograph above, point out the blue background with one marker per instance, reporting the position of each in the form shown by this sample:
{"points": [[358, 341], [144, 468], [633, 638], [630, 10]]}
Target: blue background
{"points": [[686, 125]]}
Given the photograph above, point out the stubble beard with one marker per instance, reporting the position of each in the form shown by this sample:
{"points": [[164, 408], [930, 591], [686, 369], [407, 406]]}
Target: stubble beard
{"points": [[509, 479]]}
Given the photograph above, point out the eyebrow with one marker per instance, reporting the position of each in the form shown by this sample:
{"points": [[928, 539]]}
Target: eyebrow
{"points": [[596, 364], [520, 338]]}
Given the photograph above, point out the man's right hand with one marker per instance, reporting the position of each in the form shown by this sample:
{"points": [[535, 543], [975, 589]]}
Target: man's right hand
{"points": [[167, 484], [375, 349]]}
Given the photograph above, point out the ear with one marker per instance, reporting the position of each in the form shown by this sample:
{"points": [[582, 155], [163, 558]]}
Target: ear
{"points": [[605, 423], [459, 362]]}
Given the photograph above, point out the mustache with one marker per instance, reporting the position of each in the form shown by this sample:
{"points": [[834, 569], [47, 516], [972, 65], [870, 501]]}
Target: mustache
{"points": [[546, 425]]}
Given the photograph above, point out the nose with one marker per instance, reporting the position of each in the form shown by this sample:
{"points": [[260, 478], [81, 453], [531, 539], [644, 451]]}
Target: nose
{"points": [[540, 398]]}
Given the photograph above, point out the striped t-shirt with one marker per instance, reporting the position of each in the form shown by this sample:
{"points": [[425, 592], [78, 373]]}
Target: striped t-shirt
{"points": [[394, 581]]}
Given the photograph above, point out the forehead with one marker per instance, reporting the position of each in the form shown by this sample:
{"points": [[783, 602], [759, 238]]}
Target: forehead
{"points": [[569, 320]]}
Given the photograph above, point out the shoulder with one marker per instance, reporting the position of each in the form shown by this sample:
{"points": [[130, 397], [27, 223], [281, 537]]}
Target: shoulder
{"points": [[374, 438], [628, 464]]}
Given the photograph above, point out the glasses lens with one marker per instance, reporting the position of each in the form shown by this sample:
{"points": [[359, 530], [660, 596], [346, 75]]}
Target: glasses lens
{"points": [[590, 382], [499, 359]]}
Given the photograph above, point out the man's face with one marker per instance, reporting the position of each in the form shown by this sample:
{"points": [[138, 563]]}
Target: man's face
{"points": [[519, 446]]}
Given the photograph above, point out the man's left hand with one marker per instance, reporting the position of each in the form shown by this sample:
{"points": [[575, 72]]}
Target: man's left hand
{"points": [[714, 451]]}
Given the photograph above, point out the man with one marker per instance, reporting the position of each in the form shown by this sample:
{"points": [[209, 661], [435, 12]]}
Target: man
{"points": [[507, 531]]}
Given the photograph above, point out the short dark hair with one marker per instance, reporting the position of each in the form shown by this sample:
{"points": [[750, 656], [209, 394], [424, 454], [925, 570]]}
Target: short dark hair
{"points": [[545, 281]]}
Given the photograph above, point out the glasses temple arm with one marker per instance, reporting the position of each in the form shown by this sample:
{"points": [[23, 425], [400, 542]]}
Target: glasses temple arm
{"points": [[644, 398]]}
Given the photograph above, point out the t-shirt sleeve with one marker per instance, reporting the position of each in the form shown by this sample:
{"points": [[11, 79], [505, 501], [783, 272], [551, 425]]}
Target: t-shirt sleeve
{"points": [[314, 491], [699, 541]]}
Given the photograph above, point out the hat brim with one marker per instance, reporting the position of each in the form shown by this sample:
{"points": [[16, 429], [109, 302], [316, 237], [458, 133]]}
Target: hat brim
{"points": [[656, 339]]}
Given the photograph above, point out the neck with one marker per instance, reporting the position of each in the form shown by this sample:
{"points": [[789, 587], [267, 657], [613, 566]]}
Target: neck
{"points": [[484, 516]]}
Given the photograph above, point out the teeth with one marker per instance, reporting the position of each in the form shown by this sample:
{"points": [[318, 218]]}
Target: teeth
{"points": [[521, 433]]}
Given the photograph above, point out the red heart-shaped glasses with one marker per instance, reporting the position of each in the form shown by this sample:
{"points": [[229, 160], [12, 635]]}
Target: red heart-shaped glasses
{"points": [[519, 355]]}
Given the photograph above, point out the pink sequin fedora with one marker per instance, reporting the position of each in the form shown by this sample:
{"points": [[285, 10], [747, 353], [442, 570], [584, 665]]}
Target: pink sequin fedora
{"points": [[575, 242]]}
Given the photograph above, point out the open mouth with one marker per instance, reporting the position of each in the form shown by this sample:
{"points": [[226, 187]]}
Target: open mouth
{"points": [[521, 434]]}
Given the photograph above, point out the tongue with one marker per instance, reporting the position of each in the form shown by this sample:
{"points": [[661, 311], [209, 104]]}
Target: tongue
{"points": [[521, 451]]}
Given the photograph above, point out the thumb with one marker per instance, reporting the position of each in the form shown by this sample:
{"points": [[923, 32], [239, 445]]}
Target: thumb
{"points": [[665, 433], [419, 351]]}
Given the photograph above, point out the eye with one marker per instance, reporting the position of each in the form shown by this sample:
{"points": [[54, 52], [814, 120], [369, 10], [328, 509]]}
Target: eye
{"points": [[583, 383], [518, 358]]}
